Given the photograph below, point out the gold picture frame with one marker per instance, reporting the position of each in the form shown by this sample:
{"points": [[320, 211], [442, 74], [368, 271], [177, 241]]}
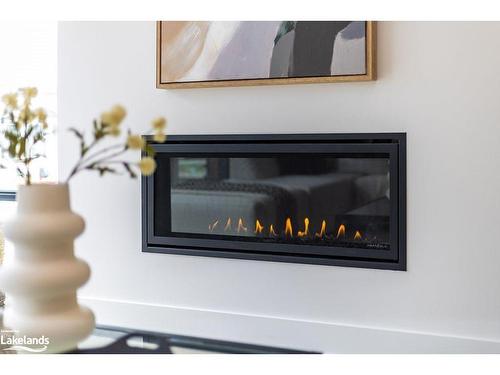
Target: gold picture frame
{"points": [[369, 75]]}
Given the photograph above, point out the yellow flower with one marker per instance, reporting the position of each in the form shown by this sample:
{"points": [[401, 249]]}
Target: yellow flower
{"points": [[118, 113], [41, 114], [115, 131], [25, 117], [106, 118], [29, 93], [42, 117], [135, 142], [147, 166], [114, 117], [159, 124], [159, 137], [10, 100]]}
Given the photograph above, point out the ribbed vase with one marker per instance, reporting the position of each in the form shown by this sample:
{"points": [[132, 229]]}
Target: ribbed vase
{"points": [[42, 278]]}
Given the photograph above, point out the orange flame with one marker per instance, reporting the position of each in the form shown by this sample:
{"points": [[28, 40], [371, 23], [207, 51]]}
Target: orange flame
{"points": [[341, 231], [322, 231], [258, 227], [228, 225], [306, 229], [211, 227], [241, 227], [288, 227]]}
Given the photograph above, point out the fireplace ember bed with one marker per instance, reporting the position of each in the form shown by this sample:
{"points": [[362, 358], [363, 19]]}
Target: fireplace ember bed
{"points": [[330, 199]]}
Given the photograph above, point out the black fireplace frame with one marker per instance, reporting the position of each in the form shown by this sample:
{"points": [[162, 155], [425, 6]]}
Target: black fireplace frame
{"points": [[393, 144]]}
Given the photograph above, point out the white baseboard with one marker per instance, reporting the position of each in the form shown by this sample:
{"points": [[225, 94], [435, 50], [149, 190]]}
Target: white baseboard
{"points": [[274, 331]]}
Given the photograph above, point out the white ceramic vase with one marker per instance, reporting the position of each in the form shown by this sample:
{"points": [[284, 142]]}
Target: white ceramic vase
{"points": [[42, 278]]}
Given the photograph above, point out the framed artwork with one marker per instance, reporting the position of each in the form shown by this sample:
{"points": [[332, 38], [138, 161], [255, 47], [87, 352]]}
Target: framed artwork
{"points": [[243, 53]]}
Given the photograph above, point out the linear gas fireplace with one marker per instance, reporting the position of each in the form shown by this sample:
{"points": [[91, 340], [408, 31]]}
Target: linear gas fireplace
{"points": [[331, 199]]}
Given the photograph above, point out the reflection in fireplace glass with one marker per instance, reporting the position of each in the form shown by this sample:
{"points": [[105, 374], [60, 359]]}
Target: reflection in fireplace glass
{"points": [[317, 200], [192, 168]]}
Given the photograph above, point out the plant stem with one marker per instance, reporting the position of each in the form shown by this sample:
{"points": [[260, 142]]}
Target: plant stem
{"points": [[116, 162], [28, 175], [26, 156], [100, 152], [81, 163], [108, 157], [77, 166]]}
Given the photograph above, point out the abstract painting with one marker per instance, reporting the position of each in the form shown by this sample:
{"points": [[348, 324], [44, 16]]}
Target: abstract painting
{"points": [[225, 53]]}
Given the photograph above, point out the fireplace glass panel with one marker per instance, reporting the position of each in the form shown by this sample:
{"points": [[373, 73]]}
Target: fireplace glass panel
{"points": [[321, 200]]}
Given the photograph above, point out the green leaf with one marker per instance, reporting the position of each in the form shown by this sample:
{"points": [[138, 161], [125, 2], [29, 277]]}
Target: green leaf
{"points": [[22, 148], [11, 136], [103, 170], [12, 149], [20, 172], [40, 136], [149, 150], [99, 134]]}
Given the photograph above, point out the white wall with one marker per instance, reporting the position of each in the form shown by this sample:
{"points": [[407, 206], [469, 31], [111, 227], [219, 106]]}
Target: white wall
{"points": [[438, 82]]}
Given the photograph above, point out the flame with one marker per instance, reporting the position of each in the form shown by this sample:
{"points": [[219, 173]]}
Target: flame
{"points": [[288, 227], [241, 227], [322, 232], [258, 227], [341, 231], [211, 227], [228, 225], [306, 229]]}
